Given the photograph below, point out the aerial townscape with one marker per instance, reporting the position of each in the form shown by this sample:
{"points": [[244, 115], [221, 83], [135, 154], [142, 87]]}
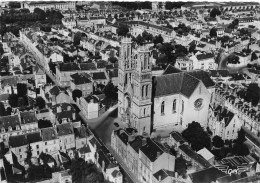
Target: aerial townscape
{"points": [[129, 92]]}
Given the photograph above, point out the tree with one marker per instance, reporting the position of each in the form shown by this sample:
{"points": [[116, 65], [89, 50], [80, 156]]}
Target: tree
{"points": [[215, 12], [40, 13], [217, 141], [139, 40], [213, 32], [253, 56], [76, 94], [241, 138], [77, 38], [115, 16], [40, 103], [239, 147], [13, 100], [112, 60], [110, 91], [196, 136], [233, 24], [2, 109], [167, 50], [192, 48], [158, 39], [21, 89], [252, 94], [122, 31]]}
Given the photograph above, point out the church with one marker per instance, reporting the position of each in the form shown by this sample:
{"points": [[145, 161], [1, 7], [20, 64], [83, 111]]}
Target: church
{"points": [[147, 103]]}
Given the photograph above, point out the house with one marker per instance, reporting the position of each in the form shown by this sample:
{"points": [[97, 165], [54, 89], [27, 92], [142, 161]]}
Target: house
{"points": [[62, 177], [50, 140], [80, 137], [29, 122], [109, 166], [197, 161], [219, 75], [90, 106], [56, 57], [184, 63], [82, 81], [164, 176], [40, 77], [85, 153], [35, 143], [19, 146], [10, 125], [224, 123], [207, 155], [66, 136], [100, 78], [152, 158], [203, 61]]}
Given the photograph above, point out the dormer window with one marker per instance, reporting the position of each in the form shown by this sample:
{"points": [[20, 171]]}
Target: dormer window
{"points": [[2, 130], [10, 128]]}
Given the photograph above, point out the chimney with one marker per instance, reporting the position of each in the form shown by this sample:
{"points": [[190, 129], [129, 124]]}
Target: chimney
{"points": [[59, 109], [160, 178], [73, 116], [158, 154], [176, 174], [144, 141], [68, 108]]}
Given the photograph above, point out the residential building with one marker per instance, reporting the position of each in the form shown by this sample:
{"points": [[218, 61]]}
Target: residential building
{"points": [[35, 142], [66, 136], [204, 61], [80, 137], [184, 64], [152, 158], [224, 123], [29, 122], [19, 146], [82, 81], [50, 140]]}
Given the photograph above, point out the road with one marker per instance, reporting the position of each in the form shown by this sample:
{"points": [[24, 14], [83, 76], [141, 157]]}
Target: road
{"points": [[102, 126], [223, 64]]}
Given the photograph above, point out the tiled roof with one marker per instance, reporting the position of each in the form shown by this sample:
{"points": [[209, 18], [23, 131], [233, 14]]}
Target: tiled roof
{"points": [[34, 137], [80, 132], [87, 66], [18, 140], [219, 73], [203, 76], [69, 67], [99, 75], [163, 174], [177, 136], [28, 117], [64, 129], [56, 90], [49, 134], [170, 84], [9, 121], [204, 56], [151, 150], [171, 69], [136, 144], [80, 78], [4, 96], [193, 155], [123, 136], [223, 113], [206, 175], [9, 81]]}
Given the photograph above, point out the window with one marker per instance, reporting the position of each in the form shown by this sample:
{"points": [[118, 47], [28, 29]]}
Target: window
{"points": [[182, 106], [37, 146], [162, 108], [174, 106]]}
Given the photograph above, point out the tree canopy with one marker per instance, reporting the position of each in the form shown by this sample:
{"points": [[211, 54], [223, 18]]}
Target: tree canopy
{"points": [[233, 24], [213, 32], [76, 94], [40, 103], [21, 89], [13, 100], [217, 141], [253, 56], [158, 39], [77, 38], [122, 31], [197, 136], [239, 147], [215, 12]]}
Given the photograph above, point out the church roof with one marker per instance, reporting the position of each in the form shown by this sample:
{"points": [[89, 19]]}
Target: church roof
{"points": [[170, 84]]}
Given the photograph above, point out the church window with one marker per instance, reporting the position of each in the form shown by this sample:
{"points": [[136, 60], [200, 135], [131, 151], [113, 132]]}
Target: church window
{"points": [[146, 94], [143, 91], [182, 106], [144, 111], [162, 108], [144, 128], [180, 121], [174, 106]]}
